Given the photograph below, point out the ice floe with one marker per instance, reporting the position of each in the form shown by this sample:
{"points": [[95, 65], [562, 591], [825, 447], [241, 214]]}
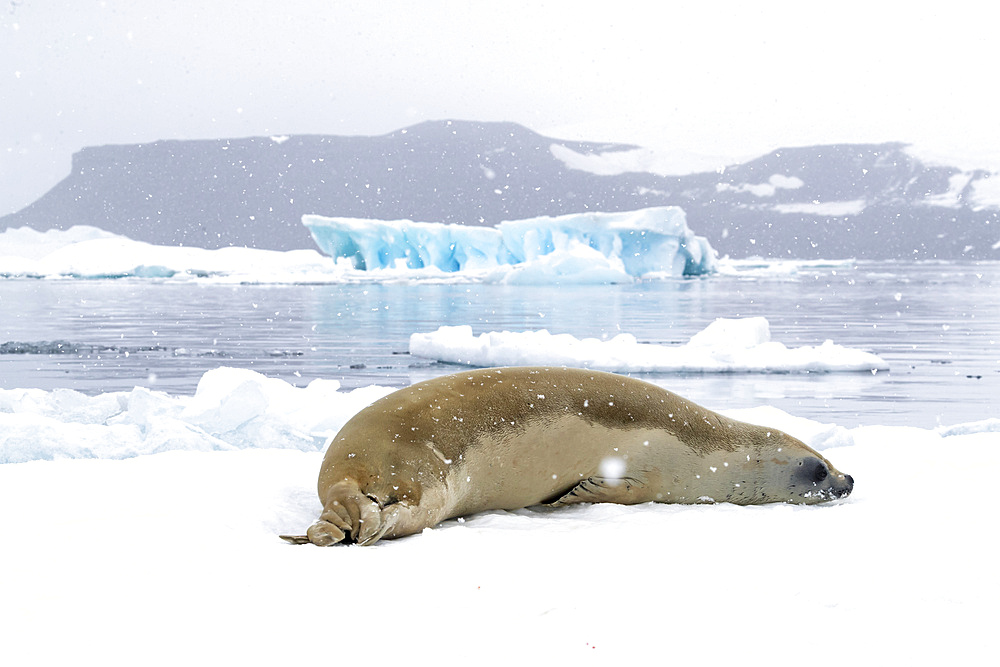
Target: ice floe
{"points": [[724, 346]]}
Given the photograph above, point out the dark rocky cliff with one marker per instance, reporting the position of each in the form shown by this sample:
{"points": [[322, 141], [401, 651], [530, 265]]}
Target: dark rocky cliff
{"points": [[866, 201]]}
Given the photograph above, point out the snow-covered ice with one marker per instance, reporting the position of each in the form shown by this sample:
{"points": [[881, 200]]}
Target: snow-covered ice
{"points": [[89, 253], [84, 252], [590, 248], [173, 557], [724, 346], [620, 246], [231, 409]]}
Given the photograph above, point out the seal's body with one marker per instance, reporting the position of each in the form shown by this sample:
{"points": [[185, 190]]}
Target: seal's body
{"points": [[505, 438]]}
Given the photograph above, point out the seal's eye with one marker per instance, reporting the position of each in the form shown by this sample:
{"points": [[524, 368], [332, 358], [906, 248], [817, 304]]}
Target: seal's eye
{"points": [[813, 470]]}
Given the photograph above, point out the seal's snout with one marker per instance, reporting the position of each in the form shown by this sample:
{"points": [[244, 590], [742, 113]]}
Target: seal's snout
{"points": [[848, 486]]}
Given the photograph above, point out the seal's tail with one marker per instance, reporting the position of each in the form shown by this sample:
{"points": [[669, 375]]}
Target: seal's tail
{"points": [[295, 539]]}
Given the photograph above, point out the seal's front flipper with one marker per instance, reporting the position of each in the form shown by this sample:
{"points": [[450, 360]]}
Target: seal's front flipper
{"points": [[621, 490], [295, 539]]}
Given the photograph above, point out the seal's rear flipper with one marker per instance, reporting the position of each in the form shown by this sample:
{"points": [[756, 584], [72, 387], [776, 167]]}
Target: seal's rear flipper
{"points": [[623, 490], [295, 539]]}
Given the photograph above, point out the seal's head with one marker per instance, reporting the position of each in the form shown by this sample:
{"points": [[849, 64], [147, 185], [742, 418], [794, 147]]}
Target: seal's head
{"points": [[768, 466], [793, 472], [815, 480]]}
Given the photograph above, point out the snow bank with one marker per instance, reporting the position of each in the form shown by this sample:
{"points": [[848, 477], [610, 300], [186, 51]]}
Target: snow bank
{"points": [[653, 241], [231, 409], [725, 346]]}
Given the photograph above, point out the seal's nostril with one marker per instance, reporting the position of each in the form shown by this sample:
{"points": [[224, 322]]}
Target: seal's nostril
{"points": [[850, 481]]}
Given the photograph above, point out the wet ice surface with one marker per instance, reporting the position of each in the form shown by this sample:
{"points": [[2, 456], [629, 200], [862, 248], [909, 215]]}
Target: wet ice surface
{"points": [[936, 325]]}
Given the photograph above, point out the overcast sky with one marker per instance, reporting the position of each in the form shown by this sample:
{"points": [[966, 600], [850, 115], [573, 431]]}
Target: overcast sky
{"points": [[728, 80]]}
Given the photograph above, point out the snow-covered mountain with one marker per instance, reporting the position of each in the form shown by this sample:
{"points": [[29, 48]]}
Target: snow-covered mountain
{"points": [[845, 200]]}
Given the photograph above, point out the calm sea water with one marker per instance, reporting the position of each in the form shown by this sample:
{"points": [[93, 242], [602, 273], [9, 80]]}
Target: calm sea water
{"points": [[938, 326]]}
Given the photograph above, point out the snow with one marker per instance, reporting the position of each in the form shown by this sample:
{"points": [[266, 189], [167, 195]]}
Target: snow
{"points": [[671, 161], [972, 155], [775, 183], [986, 192], [724, 346], [173, 557], [979, 166], [622, 246], [957, 183], [828, 208]]}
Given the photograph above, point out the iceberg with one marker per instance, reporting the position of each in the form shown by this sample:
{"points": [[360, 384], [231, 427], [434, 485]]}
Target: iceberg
{"points": [[725, 346], [652, 242], [594, 248]]}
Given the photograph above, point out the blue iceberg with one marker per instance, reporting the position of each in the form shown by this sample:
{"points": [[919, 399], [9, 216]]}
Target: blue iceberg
{"points": [[608, 247]]}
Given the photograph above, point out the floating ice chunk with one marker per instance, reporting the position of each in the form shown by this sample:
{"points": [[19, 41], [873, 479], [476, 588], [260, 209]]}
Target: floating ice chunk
{"points": [[742, 345], [626, 245], [743, 333], [780, 268]]}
